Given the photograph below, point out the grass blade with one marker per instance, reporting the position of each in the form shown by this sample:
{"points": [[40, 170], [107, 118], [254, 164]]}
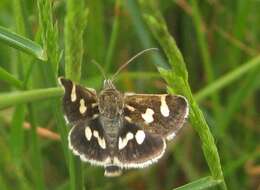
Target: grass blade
{"points": [[179, 77], [143, 33], [49, 34], [9, 78], [9, 99], [204, 49], [17, 134], [36, 152], [113, 37], [200, 184], [75, 22], [228, 78], [24, 44]]}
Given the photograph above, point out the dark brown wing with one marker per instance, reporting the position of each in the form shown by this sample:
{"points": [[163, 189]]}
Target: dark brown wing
{"points": [[78, 102], [160, 114]]}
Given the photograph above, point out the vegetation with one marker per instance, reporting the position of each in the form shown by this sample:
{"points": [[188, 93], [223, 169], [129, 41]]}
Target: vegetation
{"points": [[208, 52]]}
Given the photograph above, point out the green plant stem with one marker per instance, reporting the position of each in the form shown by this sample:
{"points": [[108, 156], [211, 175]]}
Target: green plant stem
{"points": [[10, 79], [49, 34], [36, 152], [9, 99], [75, 23], [200, 184], [228, 78], [142, 32], [114, 36], [206, 59], [21, 43], [177, 79], [242, 10]]}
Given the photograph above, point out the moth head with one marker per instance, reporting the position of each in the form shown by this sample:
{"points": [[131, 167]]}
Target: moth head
{"points": [[110, 101], [108, 84]]}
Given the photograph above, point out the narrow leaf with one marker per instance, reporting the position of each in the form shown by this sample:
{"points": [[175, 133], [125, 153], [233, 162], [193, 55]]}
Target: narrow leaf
{"points": [[9, 99], [21, 43], [200, 184], [9, 78]]}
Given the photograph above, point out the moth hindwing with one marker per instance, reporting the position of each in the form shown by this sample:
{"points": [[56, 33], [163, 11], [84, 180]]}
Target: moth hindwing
{"points": [[120, 131]]}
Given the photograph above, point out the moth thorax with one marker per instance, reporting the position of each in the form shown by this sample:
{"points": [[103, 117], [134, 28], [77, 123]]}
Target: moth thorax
{"points": [[110, 103]]}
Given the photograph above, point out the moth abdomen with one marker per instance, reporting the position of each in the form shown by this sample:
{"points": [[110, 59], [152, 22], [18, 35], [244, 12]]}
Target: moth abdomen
{"points": [[112, 171]]}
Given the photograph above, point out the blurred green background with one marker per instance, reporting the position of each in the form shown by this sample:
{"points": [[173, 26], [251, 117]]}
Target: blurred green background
{"points": [[220, 44]]}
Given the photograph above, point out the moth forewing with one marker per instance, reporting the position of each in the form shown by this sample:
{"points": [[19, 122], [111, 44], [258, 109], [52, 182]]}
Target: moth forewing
{"points": [[162, 114]]}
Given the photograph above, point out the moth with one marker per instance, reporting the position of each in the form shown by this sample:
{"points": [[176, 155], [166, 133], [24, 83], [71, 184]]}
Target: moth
{"points": [[120, 130]]}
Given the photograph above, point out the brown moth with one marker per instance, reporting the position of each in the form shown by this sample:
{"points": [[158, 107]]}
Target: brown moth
{"points": [[120, 131]]}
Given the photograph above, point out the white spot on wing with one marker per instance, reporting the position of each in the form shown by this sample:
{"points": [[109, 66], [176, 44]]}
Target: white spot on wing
{"points": [[94, 116], [128, 119], [171, 136], [123, 142], [94, 105], [82, 107], [141, 164], [83, 156], [95, 133], [130, 108], [140, 136], [148, 116], [129, 136], [102, 142], [66, 119], [92, 90], [164, 107], [73, 95], [88, 133], [60, 83]]}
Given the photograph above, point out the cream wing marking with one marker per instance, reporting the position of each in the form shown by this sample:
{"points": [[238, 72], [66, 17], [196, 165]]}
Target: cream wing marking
{"points": [[148, 116], [164, 107], [88, 133], [82, 107], [101, 141], [140, 136], [130, 108], [73, 93], [128, 119], [123, 142]]}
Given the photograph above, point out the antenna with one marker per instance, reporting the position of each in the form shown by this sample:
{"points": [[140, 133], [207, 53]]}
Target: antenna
{"points": [[130, 60], [99, 68]]}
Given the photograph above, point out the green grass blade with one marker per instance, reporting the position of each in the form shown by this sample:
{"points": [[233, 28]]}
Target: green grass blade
{"points": [[17, 134], [21, 43], [177, 79], [143, 33], [113, 37], [3, 184], [246, 88], [49, 33], [36, 156], [10, 79], [228, 78], [204, 49], [200, 184], [75, 23], [9, 99], [241, 11], [202, 42]]}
